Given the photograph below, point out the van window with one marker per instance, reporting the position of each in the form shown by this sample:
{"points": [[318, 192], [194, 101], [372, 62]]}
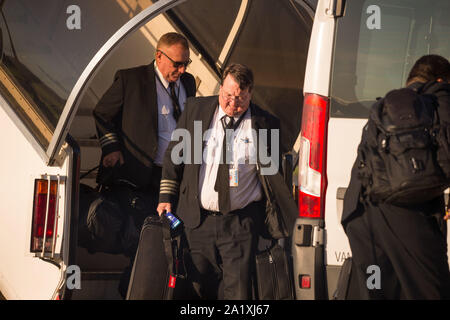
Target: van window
{"points": [[377, 43], [46, 45]]}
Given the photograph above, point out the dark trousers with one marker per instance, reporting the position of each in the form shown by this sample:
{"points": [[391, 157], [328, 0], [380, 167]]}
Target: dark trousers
{"points": [[407, 246], [223, 252]]}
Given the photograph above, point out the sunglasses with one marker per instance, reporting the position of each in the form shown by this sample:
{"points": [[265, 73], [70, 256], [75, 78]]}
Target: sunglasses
{"points": [[177, 64]]}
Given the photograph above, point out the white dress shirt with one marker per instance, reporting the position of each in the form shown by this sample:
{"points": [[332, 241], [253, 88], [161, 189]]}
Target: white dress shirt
{"points": [[166, 121], [244, 159]]}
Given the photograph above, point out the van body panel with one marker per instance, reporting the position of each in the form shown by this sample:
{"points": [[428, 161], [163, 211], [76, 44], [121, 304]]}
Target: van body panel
{"points": [[343, 139], [22, 128], [22, 275], [309, 257], [319, 63]]}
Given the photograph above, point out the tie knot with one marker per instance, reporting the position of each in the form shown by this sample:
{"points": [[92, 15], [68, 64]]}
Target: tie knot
{"points": [[227, 121]]}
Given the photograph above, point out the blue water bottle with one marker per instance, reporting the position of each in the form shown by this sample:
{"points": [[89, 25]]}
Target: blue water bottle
{"points": [[174, 221]]}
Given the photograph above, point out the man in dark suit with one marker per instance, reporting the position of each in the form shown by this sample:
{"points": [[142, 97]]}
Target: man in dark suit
{"points": [[222, 185], [135, 119], [405, 242], [136, 115]]}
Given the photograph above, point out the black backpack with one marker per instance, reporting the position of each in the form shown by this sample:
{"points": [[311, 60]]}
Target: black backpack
{"points": [[403, 156]]}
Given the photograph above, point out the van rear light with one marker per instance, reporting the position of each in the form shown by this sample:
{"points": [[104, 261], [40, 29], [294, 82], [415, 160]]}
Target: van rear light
{"points": [[44, 215], [305, 281], [312, 177]]}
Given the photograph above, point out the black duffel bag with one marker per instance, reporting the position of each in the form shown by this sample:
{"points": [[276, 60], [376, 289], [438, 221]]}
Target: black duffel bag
{"points": [[111, 218]]}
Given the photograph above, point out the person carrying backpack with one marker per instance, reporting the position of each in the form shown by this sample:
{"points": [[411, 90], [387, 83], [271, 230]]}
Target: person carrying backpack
{"points": [[394, 206]]}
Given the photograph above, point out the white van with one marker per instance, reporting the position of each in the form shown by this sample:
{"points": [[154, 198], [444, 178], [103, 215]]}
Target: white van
{"points": [[57, 59], [359, 50]]}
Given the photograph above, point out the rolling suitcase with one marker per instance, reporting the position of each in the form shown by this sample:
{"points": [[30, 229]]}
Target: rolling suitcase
{"points": [[158, 271]]}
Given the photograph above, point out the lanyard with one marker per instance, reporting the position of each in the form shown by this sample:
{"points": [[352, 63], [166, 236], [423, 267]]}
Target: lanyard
{"points": [[225, 146], [236, 124]]}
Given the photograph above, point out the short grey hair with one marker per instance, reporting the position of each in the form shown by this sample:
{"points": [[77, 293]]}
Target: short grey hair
{"points": [[171, 38]]}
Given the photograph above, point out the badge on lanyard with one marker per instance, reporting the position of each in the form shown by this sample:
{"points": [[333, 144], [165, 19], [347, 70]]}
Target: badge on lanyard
{"points": [[234, 176]]}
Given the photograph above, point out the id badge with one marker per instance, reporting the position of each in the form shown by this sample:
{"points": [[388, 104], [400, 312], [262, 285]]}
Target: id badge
{"points": [[234, 177]]}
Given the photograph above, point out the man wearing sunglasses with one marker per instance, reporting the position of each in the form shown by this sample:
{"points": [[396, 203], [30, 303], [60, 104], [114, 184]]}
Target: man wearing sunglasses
{"points": [[135, 119]]}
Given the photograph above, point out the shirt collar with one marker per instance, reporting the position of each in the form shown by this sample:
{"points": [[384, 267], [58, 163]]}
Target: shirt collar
{"points": [[220, 114], [164, 82]]}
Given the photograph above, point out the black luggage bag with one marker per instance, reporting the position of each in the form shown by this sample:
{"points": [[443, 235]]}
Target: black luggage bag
{"points": [[347, 286], [110, 219], [274, 275], [158, 270]]}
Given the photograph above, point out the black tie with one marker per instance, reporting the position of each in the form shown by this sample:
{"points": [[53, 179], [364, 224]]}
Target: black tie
{"points": [[176, 105], [222, 185]]}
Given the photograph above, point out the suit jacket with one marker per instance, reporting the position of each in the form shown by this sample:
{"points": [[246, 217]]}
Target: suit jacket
{"points": [[352, 199], [127, 120], [180, 182]]}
